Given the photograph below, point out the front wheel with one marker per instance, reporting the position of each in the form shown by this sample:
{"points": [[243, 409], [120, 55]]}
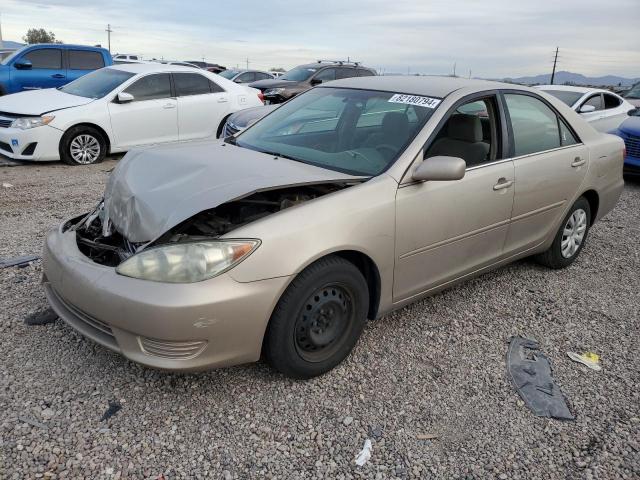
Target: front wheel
{"points": [[318, 319], [570, 238], [82, 146]]}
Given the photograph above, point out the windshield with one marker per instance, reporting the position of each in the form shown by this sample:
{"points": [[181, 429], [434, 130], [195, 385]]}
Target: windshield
{"points": [[298, 74], [13, 55], [229, 74], [565, 96], [360, 132], [634, 92], [97, 84]]}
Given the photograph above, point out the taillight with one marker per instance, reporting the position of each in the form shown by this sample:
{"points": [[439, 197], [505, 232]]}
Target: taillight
{"points": [[261, 97]]}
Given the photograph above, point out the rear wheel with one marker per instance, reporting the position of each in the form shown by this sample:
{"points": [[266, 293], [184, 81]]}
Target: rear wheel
{"points": [[318, 319], [82, 145], [570, 238]]}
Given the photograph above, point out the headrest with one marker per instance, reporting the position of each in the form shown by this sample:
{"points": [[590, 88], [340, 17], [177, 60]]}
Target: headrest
{"points": [[467, 128]]}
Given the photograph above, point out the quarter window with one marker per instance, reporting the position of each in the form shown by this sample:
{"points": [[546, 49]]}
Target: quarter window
{"points": [[535, 125], [85, 60], [191, 84], [611, 101], [151, 87], [46, 58], [365, 73], [566, 135]]}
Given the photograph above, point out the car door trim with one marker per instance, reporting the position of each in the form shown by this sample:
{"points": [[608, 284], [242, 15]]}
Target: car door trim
{"points": [[455, 239], [538, 211]]}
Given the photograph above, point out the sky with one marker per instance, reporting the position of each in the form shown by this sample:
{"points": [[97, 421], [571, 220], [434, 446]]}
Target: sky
{"points": [[487, 38]]}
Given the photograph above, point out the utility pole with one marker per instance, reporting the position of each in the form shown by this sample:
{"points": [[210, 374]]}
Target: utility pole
{"points": [[108, 30], [247, 63], [469, 73], [555, 61], [454, 69]]}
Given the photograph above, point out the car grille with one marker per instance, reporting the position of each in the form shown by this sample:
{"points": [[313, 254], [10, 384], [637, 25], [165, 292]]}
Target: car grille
{"points": [[632, 142], [172, 350], [5, 122]]}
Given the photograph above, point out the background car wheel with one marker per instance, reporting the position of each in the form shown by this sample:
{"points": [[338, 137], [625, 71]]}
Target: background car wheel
{"points": [[318, 319], [82, 146], [570, 237]]}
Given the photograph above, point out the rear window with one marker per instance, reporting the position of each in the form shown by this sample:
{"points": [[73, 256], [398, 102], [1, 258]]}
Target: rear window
{"points": [[365, 73], [85, 60]]}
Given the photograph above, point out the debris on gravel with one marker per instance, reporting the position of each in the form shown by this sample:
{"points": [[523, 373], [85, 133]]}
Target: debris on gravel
{"points": [[42, 317], [437, 366]]}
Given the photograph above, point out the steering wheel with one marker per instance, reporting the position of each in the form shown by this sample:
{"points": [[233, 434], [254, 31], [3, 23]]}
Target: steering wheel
{"points": [[386, 147]]}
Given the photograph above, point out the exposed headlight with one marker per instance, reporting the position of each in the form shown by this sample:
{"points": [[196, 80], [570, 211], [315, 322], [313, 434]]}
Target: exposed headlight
{"points": [[31, 122], [274, 91], [187, 262]]}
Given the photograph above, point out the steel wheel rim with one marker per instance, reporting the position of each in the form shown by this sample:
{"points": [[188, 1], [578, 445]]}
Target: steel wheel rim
{"points": [[323, 322], [573, 233], [84, 149]]}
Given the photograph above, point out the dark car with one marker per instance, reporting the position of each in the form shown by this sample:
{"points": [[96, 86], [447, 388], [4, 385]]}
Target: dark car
{"points": [[629, 131], [303, 77]]}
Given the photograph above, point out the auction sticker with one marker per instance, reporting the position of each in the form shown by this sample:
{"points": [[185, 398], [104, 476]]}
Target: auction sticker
{"points": [[416, 100]]}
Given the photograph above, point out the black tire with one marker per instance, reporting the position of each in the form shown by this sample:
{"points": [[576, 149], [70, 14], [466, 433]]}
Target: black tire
{"points": [[318, 319], [553, 257], [82, 132]]}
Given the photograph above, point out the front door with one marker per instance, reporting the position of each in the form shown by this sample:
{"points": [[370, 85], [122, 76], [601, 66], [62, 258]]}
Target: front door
{"points": [[152, 116], [550, 164], [445, 230], [47, 70]]}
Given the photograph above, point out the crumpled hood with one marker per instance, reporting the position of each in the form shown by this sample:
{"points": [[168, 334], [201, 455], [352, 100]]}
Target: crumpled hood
{"points": [[152, 190], [37, 102]]}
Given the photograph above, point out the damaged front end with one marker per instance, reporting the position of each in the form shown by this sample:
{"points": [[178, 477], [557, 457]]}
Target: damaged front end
{"points": [[103, 244]]}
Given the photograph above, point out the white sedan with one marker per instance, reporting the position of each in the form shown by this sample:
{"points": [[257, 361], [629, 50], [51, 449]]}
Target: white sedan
{"points": [[604, 110], [116, 108]]}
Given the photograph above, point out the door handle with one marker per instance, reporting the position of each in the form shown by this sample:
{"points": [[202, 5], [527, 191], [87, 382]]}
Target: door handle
{"points": [[578, 162], [502, 184], [222, 100], [57, 75], [169, 105]]}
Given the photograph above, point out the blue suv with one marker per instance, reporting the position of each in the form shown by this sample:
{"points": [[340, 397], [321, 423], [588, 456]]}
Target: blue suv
{"points": [[49, 66]]}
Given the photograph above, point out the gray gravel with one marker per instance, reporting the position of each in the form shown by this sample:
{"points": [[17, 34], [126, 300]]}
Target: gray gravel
{"points": [[434, 368]]}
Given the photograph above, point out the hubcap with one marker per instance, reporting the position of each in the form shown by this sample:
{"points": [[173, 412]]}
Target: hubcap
{"points": [[85, 149], [324, 319], [573, 233]]}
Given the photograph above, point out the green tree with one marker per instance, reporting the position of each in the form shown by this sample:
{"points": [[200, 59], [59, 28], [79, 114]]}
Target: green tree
{"points": [[40, 35]]}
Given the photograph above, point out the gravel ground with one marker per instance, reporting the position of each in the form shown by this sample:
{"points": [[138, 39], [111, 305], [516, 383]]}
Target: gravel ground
{"points": [[434, 368]]}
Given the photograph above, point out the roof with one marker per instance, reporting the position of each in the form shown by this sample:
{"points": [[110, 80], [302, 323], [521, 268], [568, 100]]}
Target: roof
{"points": [[418, 85], [152, 67], [570, 88]]}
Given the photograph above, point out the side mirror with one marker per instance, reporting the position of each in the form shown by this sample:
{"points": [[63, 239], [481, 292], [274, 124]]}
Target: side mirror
{"points": [[316, 81], [587, 109], [440, 168], [634, 112], [23, 64], [124, 97]]}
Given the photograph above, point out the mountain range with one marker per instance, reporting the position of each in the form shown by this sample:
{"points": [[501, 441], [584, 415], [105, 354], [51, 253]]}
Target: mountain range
{"points": [[571, 78]]}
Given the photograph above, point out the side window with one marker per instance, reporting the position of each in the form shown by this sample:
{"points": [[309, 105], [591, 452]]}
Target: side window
{"points": [[85, 60], [611, 101], [215, 88], [246, 77], [191, 84], [326, 75], [345, 73], [262, 76], [595, 101], [46, 58], [472, 132], [365, 73], [133, 57], [151, 87], [534, 124], [566, 135]]}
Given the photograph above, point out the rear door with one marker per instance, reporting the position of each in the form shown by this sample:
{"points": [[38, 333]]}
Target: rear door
{"points": [[202, 104], [614, 113], [47, 70], [152, 116], [81, 62], [550, 164]]}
